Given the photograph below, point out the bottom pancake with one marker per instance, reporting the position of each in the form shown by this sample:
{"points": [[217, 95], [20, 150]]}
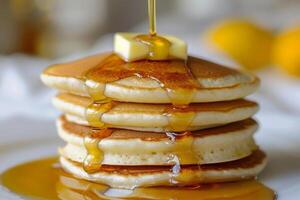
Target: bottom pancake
{"points": [[129, 177]]}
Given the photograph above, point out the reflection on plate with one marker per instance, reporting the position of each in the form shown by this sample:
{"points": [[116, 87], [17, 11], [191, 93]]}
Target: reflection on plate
{"points": [[44, 179]]}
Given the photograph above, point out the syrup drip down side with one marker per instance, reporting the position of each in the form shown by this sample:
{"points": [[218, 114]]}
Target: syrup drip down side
{"points": [[178, 121], [179, 118], [179, 91], [175, 159], [93, 161], [111, 70], [95, 111]]}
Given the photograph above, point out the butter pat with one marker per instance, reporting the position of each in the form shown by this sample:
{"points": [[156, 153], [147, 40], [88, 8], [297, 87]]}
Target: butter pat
{"points": [[131, 48]]}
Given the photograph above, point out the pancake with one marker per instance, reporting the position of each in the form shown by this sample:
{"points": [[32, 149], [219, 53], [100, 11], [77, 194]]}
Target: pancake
{"points": [[144, 176], [125, 147], [174, 81], [156, 117]]}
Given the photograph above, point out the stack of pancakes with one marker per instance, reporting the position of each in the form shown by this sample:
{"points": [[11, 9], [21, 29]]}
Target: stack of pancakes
{"points": [[154, 123]]}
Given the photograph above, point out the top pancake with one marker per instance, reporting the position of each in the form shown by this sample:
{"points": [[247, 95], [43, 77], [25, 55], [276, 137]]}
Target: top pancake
{"points": [[172, 81]]}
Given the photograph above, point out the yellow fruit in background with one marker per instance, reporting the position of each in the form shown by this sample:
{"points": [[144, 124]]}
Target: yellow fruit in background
{"points": [[245, 42], [286, 52]]}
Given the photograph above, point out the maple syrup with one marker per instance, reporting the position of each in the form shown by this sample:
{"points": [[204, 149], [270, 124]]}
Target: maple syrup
{"points": [[44, 179], [95, 111], [177, 80], [178, 119], [158, 46], [174, 76], [113, 69], [175, 159], [93, 161], [152, 16], [96, 91]]}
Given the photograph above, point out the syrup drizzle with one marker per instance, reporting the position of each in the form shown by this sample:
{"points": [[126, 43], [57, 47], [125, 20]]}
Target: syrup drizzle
{"points": [[93, 161], [152, 16], [95, 111], [158, 46], [96, 91], [177, 80], [112, 69], [176, 159]]}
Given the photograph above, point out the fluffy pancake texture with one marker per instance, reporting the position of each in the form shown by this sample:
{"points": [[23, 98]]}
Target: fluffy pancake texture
{"points": [[144, 176], [124, 147], [216, 82], [155, 123], [156, 117]]}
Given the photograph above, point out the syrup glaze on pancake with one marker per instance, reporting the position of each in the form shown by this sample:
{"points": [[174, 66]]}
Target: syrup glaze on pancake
{"points": [[256, 158], [177, 77], [113, 67]]}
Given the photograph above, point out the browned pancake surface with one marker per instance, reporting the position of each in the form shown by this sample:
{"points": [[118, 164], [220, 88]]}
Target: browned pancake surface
{"points": [[109, 67], [77, 68]]}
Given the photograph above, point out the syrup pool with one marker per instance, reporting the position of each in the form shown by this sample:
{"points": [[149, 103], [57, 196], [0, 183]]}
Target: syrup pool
{"points": [[44, 179]]}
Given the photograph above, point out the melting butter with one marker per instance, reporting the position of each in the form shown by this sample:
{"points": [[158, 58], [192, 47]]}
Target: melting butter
{"points": [[133, 47], [158, 46]]}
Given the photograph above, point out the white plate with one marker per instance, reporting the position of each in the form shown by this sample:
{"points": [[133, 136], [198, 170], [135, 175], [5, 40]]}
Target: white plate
{"points": [[32, 139]]}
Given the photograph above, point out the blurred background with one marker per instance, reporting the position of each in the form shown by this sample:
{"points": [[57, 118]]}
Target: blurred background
{"points": [[259, 36], [54, 28]]}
